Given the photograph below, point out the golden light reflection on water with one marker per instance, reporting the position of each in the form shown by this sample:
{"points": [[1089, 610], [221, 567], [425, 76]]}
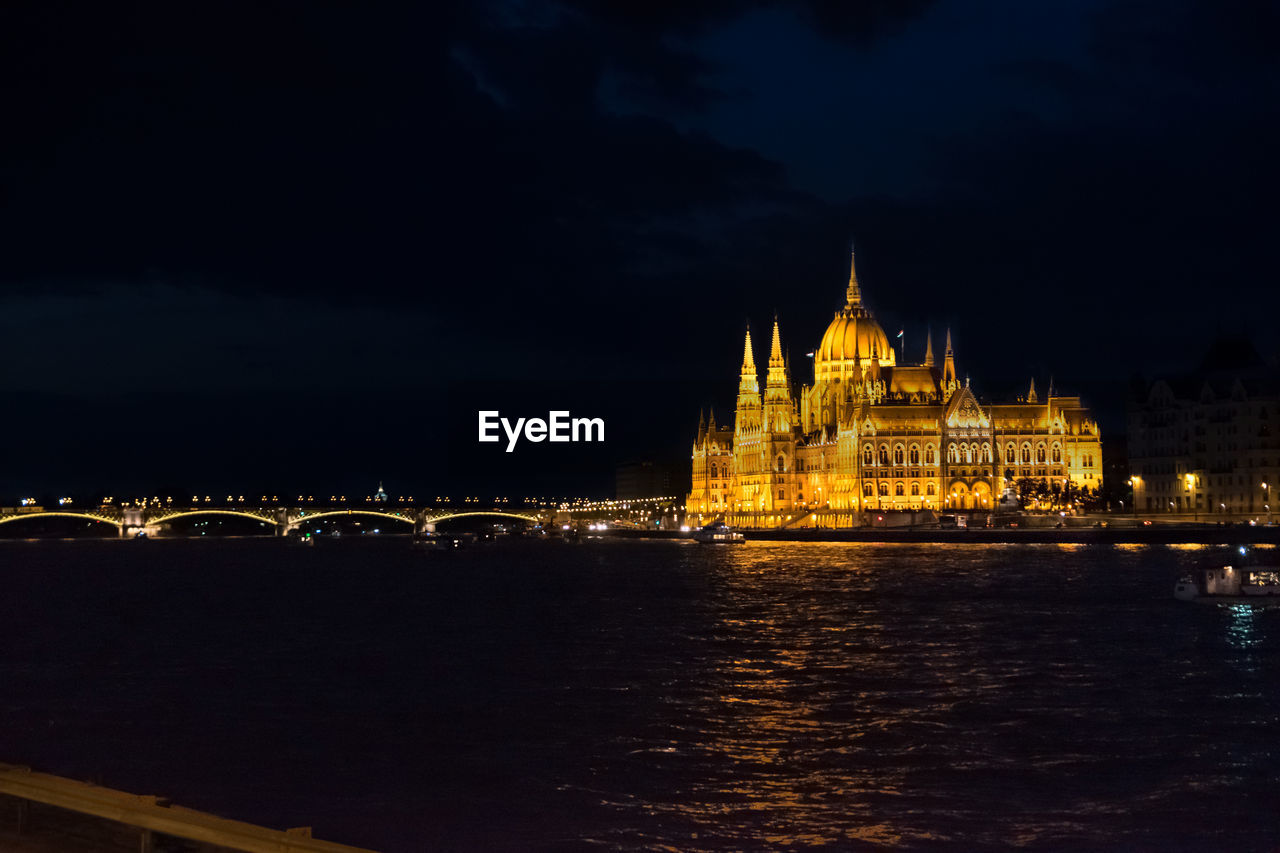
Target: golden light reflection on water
{"points": [[772, 727], [857, 693]]}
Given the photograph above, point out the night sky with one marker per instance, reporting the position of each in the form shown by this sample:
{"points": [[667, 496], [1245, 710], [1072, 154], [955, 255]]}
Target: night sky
{"points": [[294, 246]]}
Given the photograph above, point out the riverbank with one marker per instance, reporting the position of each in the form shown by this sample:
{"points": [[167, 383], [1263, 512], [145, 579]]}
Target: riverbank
{"points": [[1153, 535]]}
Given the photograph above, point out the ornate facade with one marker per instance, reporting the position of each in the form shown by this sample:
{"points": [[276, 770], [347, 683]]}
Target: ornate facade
{"points": [[872, 434]]}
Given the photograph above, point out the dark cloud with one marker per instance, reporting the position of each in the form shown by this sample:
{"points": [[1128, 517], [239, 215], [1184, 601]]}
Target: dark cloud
{"points": [[516, 190]]}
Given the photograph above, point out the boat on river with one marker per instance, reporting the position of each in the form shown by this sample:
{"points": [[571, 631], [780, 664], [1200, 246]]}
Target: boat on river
{"points": [[1230, 584], [436, 542], [718, 534]]}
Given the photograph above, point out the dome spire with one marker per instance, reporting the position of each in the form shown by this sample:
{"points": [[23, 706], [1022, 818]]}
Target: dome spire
{"points": [[853, 295]]}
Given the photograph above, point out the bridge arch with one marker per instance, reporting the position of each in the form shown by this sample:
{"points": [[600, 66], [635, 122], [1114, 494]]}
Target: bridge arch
{"points": [[466, 514], [312, 516], [55, 514], [161, 519]]}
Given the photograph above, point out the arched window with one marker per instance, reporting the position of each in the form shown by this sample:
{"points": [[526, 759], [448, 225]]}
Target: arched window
{"points": [[868, 455], [884, 490], [929, 457], [968, 454], [930, 489], [897, 455], [1026, 454], [986, 452], [915, 454], [915, 490], [1040, 454], [953, 455], [782, 463], [1057, 453], [781, 494], [884, 454], [867, 489], [713, 470], [899, 489]]}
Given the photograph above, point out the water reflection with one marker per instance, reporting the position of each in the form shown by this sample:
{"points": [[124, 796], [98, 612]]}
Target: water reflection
{"points": [[1240, 628], [891, 695]]}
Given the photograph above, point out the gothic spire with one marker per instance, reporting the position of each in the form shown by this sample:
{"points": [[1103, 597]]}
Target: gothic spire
{"points": [[853, 295], [777, 382], [949, 363], [775, 351], [928, 349], [749, 380]]}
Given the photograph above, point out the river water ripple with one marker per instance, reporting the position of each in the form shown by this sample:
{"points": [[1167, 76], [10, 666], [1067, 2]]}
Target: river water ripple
{"points": [[652, 695]]}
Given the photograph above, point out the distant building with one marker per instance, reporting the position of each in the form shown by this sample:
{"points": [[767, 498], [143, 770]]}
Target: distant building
{"points": [[644, 480], [875, 433], [381, 495], [1208, 441]]}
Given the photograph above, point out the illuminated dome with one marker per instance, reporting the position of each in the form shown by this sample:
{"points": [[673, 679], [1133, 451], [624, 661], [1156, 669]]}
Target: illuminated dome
{"points": [[853, 335]]}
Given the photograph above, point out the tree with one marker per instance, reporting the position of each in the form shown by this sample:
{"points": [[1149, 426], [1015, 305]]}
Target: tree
{"points": [[1026, 487]]}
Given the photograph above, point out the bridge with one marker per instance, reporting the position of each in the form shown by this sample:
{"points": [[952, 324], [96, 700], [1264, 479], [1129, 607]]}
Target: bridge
{"points": [[155, 519]]}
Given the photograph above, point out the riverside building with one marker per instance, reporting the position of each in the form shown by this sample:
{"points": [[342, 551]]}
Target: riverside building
{"points": [[872, 434], [1207, 442]]}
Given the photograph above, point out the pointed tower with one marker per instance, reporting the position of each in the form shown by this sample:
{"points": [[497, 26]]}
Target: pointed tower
{"points": [[949, 382], [928, 349], [702, 426], [853, 293], [949, 362], [777, 393], [748, 425], [749, 379], [711, 426], [748, 414], [1031, 395]]}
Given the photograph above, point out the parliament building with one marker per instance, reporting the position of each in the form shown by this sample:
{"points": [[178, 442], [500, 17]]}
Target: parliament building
{"points": [[873, 435]]}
